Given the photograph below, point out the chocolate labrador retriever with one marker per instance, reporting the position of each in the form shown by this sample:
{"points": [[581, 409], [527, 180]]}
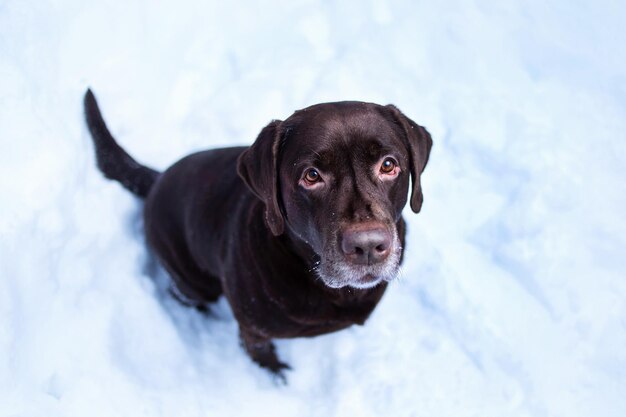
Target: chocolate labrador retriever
{"points": [[300, 231]]}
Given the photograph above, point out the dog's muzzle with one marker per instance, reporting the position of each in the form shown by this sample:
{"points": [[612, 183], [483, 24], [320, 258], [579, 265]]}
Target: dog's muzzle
{"points": [[366, 255]]}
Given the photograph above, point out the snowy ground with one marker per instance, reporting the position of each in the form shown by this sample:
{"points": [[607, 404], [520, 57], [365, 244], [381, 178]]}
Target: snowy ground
{"points": [[512, 301]]}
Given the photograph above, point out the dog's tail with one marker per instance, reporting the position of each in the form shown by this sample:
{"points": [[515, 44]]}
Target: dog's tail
{"points": [[112, 160]]}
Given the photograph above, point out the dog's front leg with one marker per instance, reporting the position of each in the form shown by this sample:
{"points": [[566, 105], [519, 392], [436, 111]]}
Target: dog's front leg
{"points": [[263, 352]]}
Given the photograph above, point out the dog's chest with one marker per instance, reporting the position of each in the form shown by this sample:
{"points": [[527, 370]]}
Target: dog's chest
{"points": [[311, 314]]}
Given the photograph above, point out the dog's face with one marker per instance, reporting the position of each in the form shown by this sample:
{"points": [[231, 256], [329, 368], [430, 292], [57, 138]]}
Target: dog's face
{"points": [[336, 175]]}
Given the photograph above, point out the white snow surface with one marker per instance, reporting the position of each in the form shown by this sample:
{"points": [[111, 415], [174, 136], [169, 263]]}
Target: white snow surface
{"points": [[512, 298]]}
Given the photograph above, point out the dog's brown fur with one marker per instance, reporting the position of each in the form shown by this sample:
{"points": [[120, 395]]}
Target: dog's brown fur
{"points": [[243, 222]]}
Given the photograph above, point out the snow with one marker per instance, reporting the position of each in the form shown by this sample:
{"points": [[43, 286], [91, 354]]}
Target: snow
{"points": [[512, 299]]}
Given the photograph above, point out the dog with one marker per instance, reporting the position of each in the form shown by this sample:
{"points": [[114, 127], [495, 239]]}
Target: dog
{"points": [[301, 231]]}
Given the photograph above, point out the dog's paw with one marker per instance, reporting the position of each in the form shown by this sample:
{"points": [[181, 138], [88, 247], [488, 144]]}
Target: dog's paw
{"points": [[278, 371], [263, 352]]}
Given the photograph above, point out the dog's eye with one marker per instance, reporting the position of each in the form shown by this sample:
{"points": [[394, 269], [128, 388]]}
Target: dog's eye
{"points": [[312, 176], [388, 166]]}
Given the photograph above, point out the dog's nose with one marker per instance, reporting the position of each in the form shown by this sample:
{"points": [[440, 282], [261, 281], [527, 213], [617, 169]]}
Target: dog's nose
{"points": [[366, 245]]}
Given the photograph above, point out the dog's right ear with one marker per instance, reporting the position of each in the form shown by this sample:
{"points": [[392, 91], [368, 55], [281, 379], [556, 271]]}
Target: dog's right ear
{"points": [[258, 167]]}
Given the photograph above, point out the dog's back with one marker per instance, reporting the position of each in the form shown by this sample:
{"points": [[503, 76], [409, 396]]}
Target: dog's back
{"points": [[189, 214]]}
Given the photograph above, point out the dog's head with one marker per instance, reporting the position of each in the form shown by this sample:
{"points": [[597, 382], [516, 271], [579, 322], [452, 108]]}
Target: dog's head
{"points": [[336, 176]]}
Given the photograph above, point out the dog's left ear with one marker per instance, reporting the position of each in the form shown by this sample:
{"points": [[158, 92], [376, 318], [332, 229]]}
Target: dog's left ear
{"points": [[258, 167], [419, 144]]}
